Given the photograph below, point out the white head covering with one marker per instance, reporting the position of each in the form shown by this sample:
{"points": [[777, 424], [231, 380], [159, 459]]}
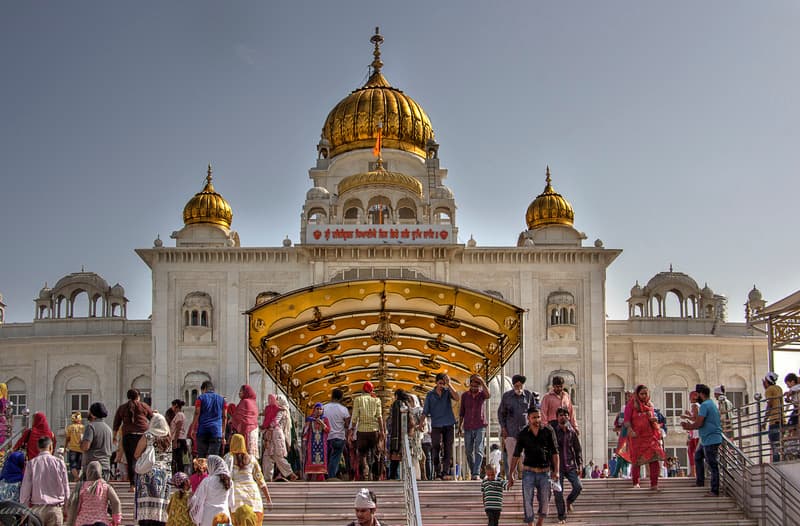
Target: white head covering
{"points": [[771, 377], [718, 390], [217, 466], [363, 500], [159, 426]]}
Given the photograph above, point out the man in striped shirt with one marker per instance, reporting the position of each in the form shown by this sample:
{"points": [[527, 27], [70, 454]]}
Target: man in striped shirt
{"points": [[492, 490], [367, 421]]}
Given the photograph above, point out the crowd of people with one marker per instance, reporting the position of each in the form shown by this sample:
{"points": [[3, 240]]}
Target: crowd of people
{"points": [[215, 469]]}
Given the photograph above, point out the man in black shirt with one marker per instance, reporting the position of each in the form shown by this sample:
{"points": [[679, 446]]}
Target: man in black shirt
{"points": [[541, 463]]}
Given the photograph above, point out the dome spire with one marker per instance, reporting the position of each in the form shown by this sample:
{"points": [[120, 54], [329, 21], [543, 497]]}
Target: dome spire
{"points": [[208, 206], [377, 39], [549, 207]]}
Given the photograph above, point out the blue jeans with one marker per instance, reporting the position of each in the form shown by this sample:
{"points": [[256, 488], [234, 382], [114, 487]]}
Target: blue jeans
{"points": [[335, 448], [774, 435], [711, 456], [208, 445], [540, 483], [473, 443], [577, 487]]}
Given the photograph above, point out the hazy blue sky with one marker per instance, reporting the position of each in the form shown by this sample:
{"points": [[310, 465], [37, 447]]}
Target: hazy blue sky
{"points": [[672, 127]]}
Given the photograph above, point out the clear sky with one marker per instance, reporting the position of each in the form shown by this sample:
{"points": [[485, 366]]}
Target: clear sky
{"points": [[671, 127]]}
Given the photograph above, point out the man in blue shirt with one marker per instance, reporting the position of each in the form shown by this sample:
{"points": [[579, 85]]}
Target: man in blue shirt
{"points": [[709, 426], [210, 416], [439, 407]]}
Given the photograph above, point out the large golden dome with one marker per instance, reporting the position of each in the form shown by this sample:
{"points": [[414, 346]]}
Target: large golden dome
{"points": [[208, 207], [353, 122], [549, 208]]}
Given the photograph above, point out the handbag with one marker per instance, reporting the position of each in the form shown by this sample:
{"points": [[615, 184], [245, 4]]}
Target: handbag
{"points": [[145, 463]]}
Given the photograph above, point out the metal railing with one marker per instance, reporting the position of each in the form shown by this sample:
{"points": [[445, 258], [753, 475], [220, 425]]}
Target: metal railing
{"points": [[750, 463], [757, 433], [12, 437], [408, 476]]}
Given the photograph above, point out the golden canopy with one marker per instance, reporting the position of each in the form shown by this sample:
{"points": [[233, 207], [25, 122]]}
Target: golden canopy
{"points": [[353, 123], [208, 206], [395, 333], [549, 208]]}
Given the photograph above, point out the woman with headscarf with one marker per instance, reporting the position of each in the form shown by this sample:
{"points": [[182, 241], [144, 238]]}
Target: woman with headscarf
{"points": [[315, 444], [152, 488], [178, 507], [29, 441], [248, 481], [644, 436], [11, 476], [4, 406], [245, 418], [245, 516], [277, 426], [91, 499], [214, 495]]}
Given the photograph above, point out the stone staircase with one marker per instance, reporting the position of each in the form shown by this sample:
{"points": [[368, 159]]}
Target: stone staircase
{"points": [[603, 503]]}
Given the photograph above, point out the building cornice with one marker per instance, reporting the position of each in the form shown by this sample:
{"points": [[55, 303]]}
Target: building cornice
{"points": [[412, 253]]}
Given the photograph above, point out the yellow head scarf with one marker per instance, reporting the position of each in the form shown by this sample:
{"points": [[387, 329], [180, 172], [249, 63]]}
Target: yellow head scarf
{"points": [[238, 444], [3, 391], [77, 418], [245, 516]]}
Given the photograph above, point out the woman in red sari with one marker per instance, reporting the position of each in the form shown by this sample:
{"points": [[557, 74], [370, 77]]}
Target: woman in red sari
{"points": [[29, 441], [245, 418], [315, 442], [644, 436]]}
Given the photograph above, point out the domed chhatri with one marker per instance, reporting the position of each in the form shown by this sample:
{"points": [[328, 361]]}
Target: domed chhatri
{"points": [[549, 208], [353, 123], [208, 207]]}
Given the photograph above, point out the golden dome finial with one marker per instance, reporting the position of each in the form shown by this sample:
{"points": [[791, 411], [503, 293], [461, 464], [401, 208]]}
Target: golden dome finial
{"points": [[208, 206], [549, 207], [377, 39], [351, 124]]}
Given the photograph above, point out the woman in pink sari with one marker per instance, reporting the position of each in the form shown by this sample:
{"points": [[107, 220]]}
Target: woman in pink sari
{"points": [[276, 425], [644, 436], [245, 418], [315, 443]]}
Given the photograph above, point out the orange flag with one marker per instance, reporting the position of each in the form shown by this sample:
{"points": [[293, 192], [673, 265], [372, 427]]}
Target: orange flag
{"points": [[376, 151]]}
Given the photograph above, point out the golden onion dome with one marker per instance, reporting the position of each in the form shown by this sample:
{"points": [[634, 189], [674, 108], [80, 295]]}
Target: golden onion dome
{"points": [[549, 208], [380, 177], [353, 123], [208, 207]]}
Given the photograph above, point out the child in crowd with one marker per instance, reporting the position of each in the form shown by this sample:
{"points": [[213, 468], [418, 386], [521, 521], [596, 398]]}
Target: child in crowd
{"points": [[199, 472], [221, 519], [178, 507], [494, 458], [492, 490]]}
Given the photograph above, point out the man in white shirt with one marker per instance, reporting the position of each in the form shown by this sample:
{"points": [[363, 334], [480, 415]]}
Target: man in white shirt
{"points": [[339, 419]]}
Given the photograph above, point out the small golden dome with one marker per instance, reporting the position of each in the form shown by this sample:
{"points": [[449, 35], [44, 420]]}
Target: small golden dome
{"points": [[380, 177], [353, 122], [208, 207], [549, 208]]}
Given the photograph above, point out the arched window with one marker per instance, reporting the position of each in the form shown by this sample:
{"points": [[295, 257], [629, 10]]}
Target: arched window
{"points": [[194, 319], [204, 318], [561, 306], [317, 216]]}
